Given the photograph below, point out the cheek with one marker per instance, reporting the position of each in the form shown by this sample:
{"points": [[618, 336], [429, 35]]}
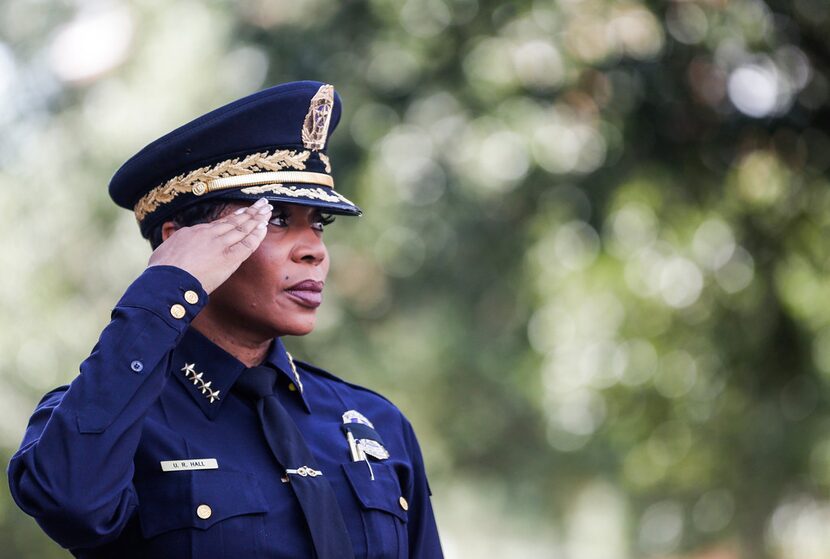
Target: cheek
{"points": [[264, 263], [264, 272], [326, 263], [251, 278], [324, 266]]}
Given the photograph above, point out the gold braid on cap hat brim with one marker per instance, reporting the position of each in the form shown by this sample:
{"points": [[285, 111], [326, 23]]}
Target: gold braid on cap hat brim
{"points": [[257, 168]]}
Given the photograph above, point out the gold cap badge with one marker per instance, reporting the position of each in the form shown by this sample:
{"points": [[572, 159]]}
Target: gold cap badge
{"points": [[316, 125]]}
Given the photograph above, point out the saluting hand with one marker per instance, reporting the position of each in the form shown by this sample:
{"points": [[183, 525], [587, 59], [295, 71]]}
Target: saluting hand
{"points": [[211, 252]]}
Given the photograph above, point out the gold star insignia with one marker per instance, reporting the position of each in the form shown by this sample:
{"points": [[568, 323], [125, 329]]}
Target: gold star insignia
{"points": [[206, 387], [188, 369], [213, 395]]}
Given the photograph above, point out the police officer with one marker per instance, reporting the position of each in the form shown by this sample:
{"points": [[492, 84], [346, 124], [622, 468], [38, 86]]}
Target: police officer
{"points": [[191, 432]]}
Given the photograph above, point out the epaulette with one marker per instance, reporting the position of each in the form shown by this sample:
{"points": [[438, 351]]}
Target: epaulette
{"points": [[322, 372]]}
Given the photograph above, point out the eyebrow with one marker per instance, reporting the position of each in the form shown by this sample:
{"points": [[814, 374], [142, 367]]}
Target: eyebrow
{"points": [[288, 209]]}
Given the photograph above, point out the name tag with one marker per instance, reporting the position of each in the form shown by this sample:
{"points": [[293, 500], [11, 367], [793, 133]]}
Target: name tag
{"points": [[195, 464]]}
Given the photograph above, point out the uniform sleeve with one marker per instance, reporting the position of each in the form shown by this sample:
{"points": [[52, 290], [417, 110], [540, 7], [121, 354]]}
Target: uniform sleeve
{"points": [[423, 532], [74, 469]]}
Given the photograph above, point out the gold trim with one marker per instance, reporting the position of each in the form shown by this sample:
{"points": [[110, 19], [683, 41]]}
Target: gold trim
{"points": [[294, 192], [325, 159], [270, 178], [294, 370], [196, 181], [316, 124]]}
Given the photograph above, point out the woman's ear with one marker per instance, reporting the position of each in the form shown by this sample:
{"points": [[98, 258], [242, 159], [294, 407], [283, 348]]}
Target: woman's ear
{"points": [[167, 229]]}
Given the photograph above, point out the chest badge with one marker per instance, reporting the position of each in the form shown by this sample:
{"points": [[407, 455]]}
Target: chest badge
{"points": [[362, 438], [354, 416]]}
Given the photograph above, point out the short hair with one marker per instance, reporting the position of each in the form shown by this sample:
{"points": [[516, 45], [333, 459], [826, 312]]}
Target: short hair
{"points": [[203, 212]]}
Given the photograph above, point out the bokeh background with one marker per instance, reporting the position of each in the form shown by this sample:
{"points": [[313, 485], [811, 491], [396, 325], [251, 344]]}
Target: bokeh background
{"points": [[592, 270]]}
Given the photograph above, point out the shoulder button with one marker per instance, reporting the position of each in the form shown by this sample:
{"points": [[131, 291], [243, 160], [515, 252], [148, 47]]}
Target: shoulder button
{"points": [[204, 512]]}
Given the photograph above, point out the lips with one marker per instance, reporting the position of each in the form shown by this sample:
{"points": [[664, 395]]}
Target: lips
{"points": [[308, 293]]}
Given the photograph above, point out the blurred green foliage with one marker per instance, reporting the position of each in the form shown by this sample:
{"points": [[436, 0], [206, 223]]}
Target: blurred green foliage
{"points": [[591, 268]]}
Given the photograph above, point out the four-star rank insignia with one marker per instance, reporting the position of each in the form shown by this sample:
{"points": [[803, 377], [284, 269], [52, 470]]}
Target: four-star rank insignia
{"points": [[197, 379]]}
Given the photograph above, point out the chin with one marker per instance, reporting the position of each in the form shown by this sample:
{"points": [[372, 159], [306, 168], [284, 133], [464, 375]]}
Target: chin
{"points": [[299, 327]]}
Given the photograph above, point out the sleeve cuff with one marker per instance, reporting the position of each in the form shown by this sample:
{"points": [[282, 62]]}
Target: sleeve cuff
{"points": [[170, 293]]}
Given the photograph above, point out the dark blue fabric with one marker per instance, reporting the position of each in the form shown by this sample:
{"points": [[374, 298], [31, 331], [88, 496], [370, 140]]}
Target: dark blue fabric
{"points": [[314, 493], [88, 468]]}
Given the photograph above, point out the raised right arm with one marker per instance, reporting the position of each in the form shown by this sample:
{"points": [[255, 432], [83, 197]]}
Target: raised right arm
{"points": [[74, 469]]}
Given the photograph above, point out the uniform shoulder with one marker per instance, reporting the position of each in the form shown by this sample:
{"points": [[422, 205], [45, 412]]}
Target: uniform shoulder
{"points": [[309, 368], [53, 397]]}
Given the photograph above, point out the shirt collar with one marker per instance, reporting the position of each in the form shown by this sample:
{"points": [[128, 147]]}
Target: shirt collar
{"points": [[207, 372]]}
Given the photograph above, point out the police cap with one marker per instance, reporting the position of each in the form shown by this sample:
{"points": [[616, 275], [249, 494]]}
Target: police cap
{"points": [[270, 144]]}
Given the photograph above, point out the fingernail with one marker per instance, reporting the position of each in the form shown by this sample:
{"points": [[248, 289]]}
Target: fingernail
{"points": [[260, 202], [239, 211], [261, 225]]}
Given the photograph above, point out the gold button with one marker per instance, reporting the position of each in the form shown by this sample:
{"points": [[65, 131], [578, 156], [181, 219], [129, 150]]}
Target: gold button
{"points": [[404, 504], [203, 512], [191, 297], [177, 311], [291, 387]]}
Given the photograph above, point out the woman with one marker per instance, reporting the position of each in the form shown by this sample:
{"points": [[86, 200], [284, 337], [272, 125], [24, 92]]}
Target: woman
{"points": [[244, 452]]}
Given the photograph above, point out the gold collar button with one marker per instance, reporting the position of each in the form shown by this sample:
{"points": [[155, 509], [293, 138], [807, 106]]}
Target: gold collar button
{"points": [[191, 297], [177, 311]]}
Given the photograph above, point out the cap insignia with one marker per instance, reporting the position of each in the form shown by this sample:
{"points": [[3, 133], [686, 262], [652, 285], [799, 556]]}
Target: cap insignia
{"points": [[316, 125]]}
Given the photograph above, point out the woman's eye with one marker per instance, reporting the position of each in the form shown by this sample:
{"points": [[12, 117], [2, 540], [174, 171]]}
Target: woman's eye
{"points": [[279, 220], [321, 221]]}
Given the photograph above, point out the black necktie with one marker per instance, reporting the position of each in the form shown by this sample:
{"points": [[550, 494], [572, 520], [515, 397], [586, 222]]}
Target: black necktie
{"points": [[313, 491]]}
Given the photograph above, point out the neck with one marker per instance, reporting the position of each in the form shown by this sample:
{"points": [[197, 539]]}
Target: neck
{"points": [[248, 348]]}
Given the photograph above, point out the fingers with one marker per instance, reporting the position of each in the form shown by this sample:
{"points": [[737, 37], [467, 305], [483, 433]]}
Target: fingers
{"points": [[245, 233], [246, 226], [242, 219], [247, 244], [211, 252]]}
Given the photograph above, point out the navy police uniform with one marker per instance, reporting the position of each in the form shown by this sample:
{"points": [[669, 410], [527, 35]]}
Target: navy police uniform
{"points": [[153, 452]]}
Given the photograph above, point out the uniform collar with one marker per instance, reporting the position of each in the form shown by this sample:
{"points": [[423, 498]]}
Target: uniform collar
{"points": [[207, 372]]}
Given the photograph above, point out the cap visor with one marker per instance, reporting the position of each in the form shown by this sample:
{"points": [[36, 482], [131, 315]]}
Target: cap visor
{"points": [[301, 194]]}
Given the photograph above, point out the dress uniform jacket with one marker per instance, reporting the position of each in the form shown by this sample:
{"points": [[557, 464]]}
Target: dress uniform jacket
{"points": [[150, 453]]}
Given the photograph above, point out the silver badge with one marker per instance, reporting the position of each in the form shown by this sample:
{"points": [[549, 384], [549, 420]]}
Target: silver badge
{"points": [[354, 416], [373, 448]]}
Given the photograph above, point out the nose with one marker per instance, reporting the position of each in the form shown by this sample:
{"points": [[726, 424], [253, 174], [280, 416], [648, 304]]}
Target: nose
{"points": [[309, 247]]}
